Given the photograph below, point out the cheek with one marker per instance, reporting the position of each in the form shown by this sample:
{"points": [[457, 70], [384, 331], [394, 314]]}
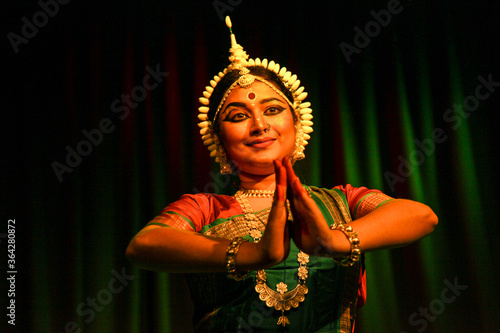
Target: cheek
{"points": [[223, 132], [291, 138], [287, 130], [229, 137]]}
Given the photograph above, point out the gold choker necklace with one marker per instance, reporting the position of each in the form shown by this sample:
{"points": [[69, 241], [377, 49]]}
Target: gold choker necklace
{"points": [[255, 193], [282, 299]]}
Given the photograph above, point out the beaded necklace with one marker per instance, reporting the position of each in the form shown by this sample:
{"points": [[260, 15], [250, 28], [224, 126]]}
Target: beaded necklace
{"points": [[281, 299]]}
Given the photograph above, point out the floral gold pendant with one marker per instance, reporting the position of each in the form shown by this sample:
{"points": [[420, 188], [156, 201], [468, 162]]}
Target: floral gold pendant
{"points": [[281, 300]]}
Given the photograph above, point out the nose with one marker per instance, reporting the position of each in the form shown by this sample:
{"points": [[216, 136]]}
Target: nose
{"points": [[260, 125]]}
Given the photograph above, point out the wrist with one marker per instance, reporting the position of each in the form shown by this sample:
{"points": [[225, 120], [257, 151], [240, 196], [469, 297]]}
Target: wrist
{"points": [[233, 271], [253, 256], [267, 256], [338, 245], [354, 252]]}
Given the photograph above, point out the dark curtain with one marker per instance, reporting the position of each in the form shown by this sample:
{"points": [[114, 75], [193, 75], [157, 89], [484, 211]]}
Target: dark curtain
{"points": [[100, 133]]}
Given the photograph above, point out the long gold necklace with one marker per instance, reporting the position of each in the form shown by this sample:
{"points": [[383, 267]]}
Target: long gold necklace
{"points": [[282, 299]]}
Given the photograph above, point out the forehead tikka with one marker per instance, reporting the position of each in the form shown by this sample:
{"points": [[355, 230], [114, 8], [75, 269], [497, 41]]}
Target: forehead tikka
{"points": [[245, 81], [240, 60]]}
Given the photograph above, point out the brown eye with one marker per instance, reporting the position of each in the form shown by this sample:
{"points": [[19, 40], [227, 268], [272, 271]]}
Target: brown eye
{"points": [[236, 116], [240, 116], [274, 110]]}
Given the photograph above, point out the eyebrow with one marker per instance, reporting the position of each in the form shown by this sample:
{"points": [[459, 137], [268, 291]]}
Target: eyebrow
{"points": [[244, 105], [271, 99], [237, 104]]}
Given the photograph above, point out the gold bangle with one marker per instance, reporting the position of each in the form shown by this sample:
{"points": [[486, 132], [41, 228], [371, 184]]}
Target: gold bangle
{"points": [[352, 236], [232, 251]]}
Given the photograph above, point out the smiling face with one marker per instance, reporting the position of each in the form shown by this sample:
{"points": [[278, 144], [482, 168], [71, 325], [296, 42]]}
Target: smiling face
{"points": [[256, 127]]}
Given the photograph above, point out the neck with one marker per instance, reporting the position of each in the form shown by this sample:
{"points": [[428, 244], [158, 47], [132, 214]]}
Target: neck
{"points": [[257, 182]]}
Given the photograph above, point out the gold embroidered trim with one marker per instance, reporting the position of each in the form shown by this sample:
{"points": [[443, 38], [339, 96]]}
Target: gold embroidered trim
{"points": [[237, 226], [369, 203], [173, 220], [340, 214]]}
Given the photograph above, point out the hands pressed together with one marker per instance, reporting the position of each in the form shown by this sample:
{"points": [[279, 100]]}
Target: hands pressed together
{"points": [[309, 229], [391, 225]]}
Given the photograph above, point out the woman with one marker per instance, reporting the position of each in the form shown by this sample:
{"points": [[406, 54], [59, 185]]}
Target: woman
{"points": [[304, 273]]}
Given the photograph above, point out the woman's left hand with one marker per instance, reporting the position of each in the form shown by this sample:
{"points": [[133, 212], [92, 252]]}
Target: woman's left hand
{"points": [[310, 231]]}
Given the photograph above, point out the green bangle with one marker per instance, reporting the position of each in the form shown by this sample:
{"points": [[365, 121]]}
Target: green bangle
{"points": [[232, 251], [352, 236]]}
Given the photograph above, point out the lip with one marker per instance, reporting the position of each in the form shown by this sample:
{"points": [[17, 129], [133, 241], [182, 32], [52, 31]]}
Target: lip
{"points": [[261, 143]]}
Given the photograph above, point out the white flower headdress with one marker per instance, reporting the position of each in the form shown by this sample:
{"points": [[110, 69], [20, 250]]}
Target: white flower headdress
{"points": [[239, 60]]}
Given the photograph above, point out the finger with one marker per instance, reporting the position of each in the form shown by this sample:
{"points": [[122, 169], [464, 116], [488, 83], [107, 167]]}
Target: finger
{"points": [[291, 176], [281, 174], [294, 183], [281, 181], [277, 216]]}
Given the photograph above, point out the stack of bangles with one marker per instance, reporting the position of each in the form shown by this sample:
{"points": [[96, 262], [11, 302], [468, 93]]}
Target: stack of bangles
{"points": [[352, 236], [232, 251]]}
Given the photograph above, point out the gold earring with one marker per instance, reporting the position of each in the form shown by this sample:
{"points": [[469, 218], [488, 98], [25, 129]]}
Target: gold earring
{"points": [[225, 166], [298, 153]]}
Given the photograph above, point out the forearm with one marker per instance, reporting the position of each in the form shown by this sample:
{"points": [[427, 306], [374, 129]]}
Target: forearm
{"points": [[395, 224], [178, 251]]}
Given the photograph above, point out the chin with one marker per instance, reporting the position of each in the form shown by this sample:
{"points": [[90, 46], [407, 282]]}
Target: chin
{"points": [[260, 163], [258, 167]]}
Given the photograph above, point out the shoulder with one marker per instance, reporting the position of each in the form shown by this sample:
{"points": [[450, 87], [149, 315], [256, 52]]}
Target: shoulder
{"points": [[203, 201], [203, 208], [349, 192], [360, 200]]}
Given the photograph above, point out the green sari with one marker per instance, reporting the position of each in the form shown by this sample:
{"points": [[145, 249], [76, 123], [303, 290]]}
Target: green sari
{"points": [[224, 305]]}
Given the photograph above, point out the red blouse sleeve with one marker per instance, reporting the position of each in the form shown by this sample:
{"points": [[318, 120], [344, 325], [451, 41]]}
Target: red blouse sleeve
{"points": [[193, 211], [362, 200]]}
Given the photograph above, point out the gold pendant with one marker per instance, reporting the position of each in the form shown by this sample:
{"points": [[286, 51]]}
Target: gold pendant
{"points": [[283, 320], [281, 301]]}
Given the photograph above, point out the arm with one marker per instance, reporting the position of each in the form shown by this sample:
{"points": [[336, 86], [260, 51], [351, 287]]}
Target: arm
{"points": [[393, 224], [174, 250], [396, 223]]}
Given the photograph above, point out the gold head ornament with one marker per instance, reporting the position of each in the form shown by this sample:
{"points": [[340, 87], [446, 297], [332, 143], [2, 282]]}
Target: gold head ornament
{"points": [[239, 60]]}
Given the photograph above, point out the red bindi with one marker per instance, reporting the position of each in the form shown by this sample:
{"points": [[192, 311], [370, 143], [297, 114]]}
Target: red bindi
{"points": [[251, 95]]}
